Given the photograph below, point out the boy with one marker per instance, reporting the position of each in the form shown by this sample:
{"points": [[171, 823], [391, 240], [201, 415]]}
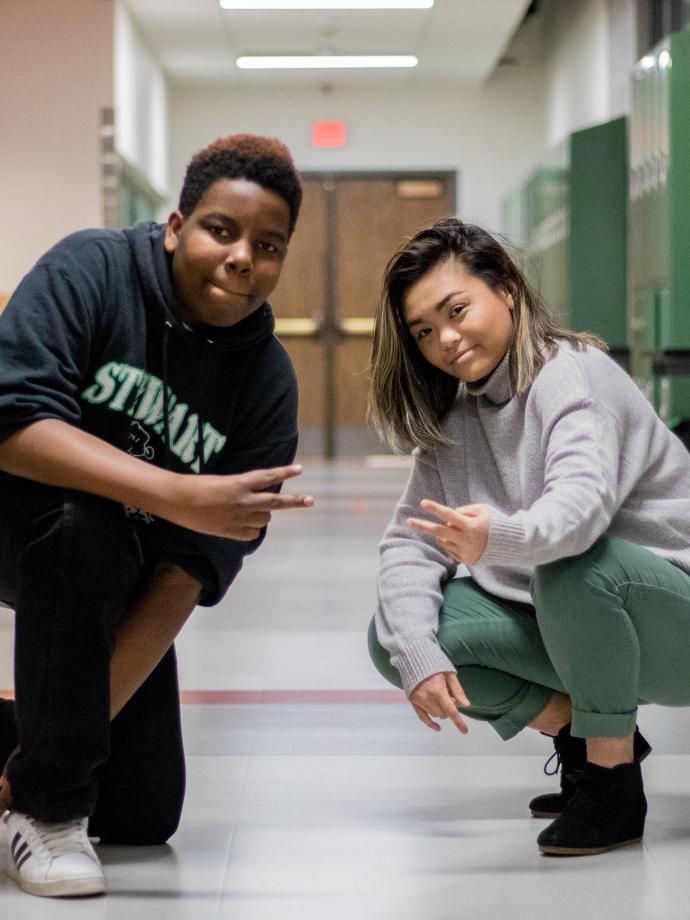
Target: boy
{"points": [[147, 420]]}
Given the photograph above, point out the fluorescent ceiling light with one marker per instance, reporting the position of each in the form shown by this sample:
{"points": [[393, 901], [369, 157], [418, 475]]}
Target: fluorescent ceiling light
{"points": [[326, 4], [319, 61]]}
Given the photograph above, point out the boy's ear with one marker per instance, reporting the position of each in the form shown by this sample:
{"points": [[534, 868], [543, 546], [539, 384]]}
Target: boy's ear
{"points": [[172, 231]]}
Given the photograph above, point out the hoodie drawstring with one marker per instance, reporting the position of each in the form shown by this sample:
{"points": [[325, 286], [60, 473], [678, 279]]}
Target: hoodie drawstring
{"points": [[203, 373], [166, 394]]}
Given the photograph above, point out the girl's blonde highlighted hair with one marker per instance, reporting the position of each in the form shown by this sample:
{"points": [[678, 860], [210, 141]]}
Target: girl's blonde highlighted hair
{"points": [[408, 397]]}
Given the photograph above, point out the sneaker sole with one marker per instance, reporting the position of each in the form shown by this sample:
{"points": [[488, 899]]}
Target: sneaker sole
{"points": [[60, 888], [586, 851]]}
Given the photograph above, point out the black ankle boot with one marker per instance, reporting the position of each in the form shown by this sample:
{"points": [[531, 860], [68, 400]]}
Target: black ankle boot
{"points": [[571, 757], [607, 810]]}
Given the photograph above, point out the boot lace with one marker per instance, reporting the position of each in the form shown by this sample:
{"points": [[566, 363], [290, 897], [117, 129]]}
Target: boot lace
{"points": [[555, 770]]}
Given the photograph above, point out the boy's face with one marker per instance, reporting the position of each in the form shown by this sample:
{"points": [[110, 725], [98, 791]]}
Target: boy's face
{"points": [[229, 252]]}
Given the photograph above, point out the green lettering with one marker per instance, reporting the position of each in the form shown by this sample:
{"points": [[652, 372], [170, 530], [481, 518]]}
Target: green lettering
{"points": [[129, 376], [214, 442], [175, 418], [104, 387], [185, 448]]}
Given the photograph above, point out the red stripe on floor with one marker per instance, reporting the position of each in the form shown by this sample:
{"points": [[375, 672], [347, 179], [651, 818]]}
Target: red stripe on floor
{"points": [[291, 696], [278, 697]]}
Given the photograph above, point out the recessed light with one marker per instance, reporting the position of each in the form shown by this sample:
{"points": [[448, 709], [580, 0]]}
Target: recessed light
{"points": [[324, 61], [664, 59], [326, 4]]}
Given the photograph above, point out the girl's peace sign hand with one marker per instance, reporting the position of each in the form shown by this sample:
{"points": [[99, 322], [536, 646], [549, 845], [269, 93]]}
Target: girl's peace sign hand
{"points": [[464, 532]]}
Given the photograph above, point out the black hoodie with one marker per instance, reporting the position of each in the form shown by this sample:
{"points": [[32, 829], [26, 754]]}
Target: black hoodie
{"points": [[90, 337]]}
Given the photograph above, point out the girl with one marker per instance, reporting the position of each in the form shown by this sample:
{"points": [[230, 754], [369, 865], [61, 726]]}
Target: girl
{"points": [[541, 468]]}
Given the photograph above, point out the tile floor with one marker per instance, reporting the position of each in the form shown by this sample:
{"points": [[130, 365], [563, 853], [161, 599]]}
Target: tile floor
{"points": [[308, 803]]}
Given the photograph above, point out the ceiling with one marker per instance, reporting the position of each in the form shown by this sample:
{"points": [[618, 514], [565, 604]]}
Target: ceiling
{"points": [[456, 41]]}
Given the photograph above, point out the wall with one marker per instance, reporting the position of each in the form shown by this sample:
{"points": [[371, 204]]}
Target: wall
{"points": [[489, 134], [54, 85], [141, 104], [623, 43], [589, 49], [576, 71]]}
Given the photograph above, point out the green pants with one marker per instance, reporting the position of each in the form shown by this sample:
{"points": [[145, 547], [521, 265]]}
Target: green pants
{"points": [[611, 628]]}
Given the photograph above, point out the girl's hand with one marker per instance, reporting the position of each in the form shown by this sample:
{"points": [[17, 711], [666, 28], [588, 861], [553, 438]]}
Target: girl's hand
{"points": [[439, 695], [464, 532]]}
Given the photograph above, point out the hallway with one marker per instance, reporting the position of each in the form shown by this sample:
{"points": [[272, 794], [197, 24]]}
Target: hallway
{"points": [[313, 791]]}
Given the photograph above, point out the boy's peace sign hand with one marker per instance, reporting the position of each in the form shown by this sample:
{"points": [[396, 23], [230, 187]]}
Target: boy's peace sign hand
{"points": [[236, 506], [464, 532], [439, 695]]}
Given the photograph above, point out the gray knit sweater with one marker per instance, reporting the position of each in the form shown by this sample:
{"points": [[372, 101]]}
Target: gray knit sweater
{"points": [[579, 454]]}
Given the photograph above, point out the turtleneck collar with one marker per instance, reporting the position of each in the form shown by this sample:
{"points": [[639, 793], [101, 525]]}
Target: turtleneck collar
{"points": [[497, 387]]}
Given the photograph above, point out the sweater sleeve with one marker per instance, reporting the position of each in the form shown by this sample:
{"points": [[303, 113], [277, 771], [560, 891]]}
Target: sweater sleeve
{"points": [[581, 446], [411, 573]]}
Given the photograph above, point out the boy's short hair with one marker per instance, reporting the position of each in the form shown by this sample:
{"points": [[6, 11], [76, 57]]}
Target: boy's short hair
{"points": [[263, 160]]}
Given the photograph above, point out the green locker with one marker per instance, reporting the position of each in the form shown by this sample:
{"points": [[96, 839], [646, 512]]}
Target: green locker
{"points": [[598, 233], [659, 195], [676, 162], [513, 219], [575, 231], [547, 199]]}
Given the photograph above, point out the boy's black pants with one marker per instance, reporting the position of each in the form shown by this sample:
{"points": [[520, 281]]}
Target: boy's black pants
{"points": [[69, 565]]}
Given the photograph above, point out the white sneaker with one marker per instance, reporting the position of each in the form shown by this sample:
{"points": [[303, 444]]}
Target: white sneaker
{"points": [[52, 860]]}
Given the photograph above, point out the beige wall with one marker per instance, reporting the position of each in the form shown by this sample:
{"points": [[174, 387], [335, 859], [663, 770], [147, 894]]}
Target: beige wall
{"points": [[56, 65], [141, 104], [589, 49]]}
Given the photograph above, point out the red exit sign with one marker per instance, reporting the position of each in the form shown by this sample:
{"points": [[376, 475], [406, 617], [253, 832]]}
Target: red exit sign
{"points": [[328, 134]]}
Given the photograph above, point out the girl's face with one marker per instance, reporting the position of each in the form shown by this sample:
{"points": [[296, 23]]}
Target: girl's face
{"points": [[460, 325]]}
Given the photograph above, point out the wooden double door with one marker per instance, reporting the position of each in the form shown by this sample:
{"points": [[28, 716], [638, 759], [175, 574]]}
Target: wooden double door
{"points": [[349, 227]]}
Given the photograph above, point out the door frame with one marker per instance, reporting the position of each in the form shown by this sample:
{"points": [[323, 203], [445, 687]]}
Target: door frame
{"points": [[328, 328]]}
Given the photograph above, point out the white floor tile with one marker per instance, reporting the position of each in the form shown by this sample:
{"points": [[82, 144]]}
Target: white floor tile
{"points": [[220, 660], [320, 660]]}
